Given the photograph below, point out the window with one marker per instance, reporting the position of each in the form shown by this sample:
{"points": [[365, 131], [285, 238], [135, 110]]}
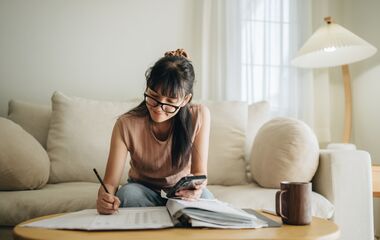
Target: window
{"points": [[269, 40]]}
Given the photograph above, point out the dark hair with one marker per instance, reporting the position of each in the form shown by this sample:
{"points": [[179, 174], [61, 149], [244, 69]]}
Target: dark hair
{"points": [[174, 77]]}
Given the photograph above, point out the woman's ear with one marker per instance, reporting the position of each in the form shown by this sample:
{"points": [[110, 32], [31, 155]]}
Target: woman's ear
{"points": [[186, 100]]}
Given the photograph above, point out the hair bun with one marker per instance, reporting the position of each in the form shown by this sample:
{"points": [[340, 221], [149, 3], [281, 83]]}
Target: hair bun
{"points": [[180, 52]]}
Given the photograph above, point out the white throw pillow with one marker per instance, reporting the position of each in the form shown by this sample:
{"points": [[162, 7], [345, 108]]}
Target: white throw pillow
{"points": [[284, 149], [24, 163], [226, 165], [79, 137]]}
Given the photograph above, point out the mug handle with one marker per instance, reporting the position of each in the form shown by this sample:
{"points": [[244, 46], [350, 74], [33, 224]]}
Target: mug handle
{"points": [[279, 203]]}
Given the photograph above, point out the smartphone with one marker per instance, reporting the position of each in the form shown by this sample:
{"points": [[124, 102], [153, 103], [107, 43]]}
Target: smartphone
{"points": [[187, 182]]}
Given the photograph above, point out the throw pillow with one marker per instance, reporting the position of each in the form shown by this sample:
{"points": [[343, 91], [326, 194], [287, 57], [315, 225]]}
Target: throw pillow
{"points": [[79, 137], [226, 164], [24, 163], [33, 118], [284, 149]]}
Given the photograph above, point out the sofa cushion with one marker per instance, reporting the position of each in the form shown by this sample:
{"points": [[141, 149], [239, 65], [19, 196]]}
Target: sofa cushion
{"points": [[34, 118], [18, 206], [79, 137], [284, 149], [255, 197], [227, 137], [24, 163]]}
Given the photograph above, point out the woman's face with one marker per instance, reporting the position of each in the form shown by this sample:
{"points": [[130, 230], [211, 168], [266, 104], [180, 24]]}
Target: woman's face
{"points": [[162, 108]]}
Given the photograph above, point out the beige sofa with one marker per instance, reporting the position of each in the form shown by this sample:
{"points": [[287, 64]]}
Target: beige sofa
{"points": [[58, 146]]}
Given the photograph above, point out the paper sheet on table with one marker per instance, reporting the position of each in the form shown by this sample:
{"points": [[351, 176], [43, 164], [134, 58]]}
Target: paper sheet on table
{"points": [[126, 218]]}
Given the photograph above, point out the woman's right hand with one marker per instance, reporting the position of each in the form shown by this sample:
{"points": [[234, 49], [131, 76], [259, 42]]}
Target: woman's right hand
{"points": [[107, 203]]}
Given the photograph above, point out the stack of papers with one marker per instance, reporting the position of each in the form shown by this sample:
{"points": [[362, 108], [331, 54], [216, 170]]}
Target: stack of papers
{"points": [[212, 213]]}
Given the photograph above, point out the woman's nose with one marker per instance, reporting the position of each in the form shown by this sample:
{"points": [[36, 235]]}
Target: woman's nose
{"points": [[159, 107]]}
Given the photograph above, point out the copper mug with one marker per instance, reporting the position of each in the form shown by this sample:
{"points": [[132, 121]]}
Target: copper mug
{"points": [[293, 203]]}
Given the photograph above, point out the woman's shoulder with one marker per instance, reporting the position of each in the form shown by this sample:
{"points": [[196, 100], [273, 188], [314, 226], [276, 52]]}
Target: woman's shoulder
{"points": [[200, 111], [198, 107], [128, 119]]}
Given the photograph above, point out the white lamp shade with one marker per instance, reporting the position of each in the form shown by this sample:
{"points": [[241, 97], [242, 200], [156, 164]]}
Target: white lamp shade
{"points": [[332, 45]]}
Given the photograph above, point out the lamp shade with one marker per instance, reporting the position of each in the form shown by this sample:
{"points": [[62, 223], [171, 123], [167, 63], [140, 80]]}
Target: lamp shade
{"points": [[332, 45]]}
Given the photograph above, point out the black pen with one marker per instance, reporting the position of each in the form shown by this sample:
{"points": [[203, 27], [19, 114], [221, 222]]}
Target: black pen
{"points": [[100, 180]]}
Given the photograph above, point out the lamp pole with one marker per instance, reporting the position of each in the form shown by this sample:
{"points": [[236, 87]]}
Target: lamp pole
{"points": [[347, 97], [348, 103]]}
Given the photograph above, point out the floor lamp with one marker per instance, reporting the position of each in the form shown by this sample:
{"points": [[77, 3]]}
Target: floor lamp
{"points": [[333, 45]]}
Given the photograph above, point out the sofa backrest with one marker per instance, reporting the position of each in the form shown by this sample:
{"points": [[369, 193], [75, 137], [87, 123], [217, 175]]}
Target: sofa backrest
{"points": [[80, 131]]}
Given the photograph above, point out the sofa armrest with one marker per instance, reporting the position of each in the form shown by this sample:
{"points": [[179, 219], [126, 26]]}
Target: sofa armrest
{"points": [[344, 178]]}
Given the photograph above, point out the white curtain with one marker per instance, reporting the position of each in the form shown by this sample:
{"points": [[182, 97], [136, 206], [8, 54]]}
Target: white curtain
{"points": [[246, 50]]}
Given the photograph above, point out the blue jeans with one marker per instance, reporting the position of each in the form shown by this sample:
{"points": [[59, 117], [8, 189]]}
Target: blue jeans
{"points": [[135, 194]]}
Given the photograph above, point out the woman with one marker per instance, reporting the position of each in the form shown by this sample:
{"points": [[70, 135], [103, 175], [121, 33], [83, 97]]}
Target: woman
{"points": [[166, 136]]}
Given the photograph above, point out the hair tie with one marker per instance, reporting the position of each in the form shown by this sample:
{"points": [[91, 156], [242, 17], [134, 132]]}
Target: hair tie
{"points": [[179, 53]]}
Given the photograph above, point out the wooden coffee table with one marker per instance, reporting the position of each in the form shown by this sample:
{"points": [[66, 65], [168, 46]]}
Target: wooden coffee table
{"points": [[318, 229]]}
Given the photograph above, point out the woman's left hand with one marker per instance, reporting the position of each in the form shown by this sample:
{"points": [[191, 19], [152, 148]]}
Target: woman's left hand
{"points": [[191, 194]]}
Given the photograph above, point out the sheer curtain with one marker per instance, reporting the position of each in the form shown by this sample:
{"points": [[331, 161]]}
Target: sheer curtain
{"points": [[246, 50], [270, 37]]}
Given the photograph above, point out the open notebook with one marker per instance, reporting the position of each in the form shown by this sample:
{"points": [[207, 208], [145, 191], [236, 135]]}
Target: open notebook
{"points": [[177, 213]]}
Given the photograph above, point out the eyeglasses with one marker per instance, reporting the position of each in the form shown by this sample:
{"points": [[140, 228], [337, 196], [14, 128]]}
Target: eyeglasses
{"points": [[168, 108]]}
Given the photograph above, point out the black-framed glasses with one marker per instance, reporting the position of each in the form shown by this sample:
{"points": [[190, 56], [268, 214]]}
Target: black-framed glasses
{"points": [[168, 108]]}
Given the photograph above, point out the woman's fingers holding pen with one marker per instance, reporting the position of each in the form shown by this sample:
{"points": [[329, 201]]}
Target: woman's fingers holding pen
{"points": [[104, 207], [116, 203], [112, 202], [107, 203], [108, 197]]}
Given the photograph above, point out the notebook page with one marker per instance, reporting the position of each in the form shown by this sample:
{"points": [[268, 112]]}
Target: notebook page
{"points": [[126, 218]]}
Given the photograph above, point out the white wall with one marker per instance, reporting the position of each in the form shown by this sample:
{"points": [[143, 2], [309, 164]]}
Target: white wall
{"points": [[90, 48], [363, 18]]}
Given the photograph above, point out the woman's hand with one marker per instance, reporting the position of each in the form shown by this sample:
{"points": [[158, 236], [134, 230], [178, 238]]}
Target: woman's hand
{"points": [[107, 203], [191, 194]]}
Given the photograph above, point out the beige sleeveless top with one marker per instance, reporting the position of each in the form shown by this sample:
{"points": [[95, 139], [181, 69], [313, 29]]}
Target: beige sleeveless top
{"points": [[151, 162]]}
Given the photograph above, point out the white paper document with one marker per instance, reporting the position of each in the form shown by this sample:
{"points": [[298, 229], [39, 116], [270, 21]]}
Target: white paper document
{"points": [[126, 218], [200, 213]]}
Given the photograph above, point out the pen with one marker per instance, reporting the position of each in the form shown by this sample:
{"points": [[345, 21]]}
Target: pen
{"points": [[100, 180]]}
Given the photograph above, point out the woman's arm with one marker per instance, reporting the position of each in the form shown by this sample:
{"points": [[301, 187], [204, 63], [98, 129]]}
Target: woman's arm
{"points": [[199, 154], [116, 160], [108, 203]]}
